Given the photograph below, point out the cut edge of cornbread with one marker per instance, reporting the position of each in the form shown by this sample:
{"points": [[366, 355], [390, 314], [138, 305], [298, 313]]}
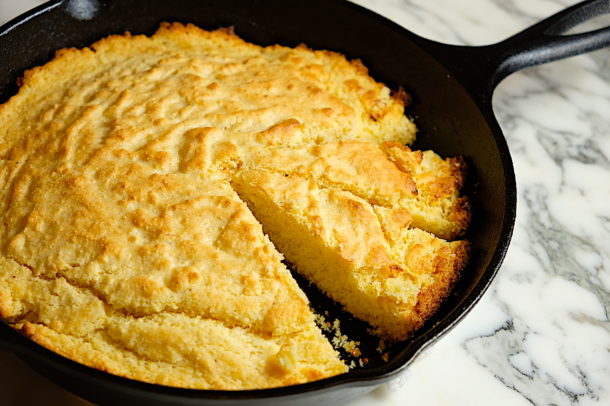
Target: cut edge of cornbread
{"points": [[414, 248], [390, 175]]}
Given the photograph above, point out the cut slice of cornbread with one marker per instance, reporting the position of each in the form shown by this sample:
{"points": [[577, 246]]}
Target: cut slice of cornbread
{"points": [[196, 353], [338, 241], [389, 175]]}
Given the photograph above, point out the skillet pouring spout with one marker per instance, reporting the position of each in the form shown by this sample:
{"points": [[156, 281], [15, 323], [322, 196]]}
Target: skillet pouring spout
{"points": [[483, 67]]}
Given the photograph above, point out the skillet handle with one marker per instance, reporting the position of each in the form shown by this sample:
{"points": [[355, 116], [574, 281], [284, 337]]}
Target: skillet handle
{"points": [[544, 41], [481, 68]]}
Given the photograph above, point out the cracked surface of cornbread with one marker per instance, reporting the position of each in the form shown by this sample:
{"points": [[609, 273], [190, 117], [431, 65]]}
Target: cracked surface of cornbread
{"points": [[125, 247]]}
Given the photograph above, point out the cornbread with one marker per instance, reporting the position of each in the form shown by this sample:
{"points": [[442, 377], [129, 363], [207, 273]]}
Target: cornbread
{"points": [[148, 183]]}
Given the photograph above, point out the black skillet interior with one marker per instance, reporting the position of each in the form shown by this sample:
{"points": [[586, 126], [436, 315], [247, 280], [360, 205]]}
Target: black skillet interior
{"points": [[453, 114]]}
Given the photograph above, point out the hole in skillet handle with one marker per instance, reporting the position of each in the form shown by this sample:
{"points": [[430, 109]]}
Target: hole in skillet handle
{"points": [[587, 11], [595, 23]]}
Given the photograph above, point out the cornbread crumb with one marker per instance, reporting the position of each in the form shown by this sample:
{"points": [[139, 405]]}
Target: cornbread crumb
{"points": [[381, 347], [339, 341]]}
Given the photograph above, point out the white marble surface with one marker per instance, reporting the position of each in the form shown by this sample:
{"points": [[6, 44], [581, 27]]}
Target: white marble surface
{"points": [[541, 334]]}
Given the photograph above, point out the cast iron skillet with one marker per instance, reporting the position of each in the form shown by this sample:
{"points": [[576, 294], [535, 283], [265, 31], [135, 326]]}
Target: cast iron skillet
{"points": [[451, 87]]}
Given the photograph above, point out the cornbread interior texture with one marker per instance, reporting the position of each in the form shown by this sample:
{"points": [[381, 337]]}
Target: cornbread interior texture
{"points": [[135, 175]]}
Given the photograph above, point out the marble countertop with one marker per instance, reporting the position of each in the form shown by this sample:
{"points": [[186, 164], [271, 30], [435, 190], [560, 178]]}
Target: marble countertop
{"points": [[541, 333]]}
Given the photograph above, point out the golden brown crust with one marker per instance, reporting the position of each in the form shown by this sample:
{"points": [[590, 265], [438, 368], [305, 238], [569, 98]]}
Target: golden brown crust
{"points": [[124, 246], [446, 273], [204, 355]]}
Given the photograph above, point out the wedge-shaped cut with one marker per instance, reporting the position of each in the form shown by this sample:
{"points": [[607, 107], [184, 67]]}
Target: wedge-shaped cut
{"points": [[338, 241], [389, 175], [436, 262]]}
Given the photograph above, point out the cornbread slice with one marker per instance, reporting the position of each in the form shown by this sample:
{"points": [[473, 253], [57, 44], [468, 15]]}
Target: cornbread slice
{"points": [[388, 175], [437, 262], [338, 241]]}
